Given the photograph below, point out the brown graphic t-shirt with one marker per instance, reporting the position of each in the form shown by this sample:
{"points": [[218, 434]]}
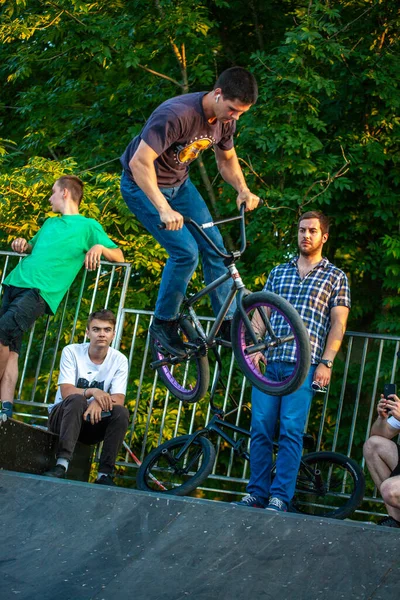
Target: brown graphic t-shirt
{"points": [[178, 132]]}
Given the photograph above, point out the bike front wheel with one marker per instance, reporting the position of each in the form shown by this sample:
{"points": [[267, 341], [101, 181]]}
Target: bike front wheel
{"points": [[329, 484], [175, 469], [187, 380], [273, 331]]}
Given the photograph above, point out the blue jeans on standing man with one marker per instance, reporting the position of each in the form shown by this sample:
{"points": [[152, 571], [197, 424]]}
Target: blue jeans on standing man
{"points": [[292, 410], [182, 246]]}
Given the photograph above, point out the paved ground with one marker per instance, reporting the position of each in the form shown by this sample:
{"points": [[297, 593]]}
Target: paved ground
{"points": [[68, 540]]}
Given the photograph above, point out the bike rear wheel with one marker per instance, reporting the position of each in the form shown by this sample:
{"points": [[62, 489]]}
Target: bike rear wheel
{"points": [[189, 379], [280, 333], [329, 484], [172, 469]]}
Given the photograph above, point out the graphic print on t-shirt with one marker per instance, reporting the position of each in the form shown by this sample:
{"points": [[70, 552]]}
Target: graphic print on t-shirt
{"points": [[185, 154], [84, 383]]}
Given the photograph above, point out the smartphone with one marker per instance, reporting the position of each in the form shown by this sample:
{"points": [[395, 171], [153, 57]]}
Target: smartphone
{"points": [[104, 413], [389, 388]]}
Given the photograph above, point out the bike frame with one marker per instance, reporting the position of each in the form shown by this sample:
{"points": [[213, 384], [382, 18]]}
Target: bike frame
{"points": [[238, 287], [217, 425]]}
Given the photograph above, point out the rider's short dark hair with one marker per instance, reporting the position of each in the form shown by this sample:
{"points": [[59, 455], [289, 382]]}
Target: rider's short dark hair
{"points": [[316, 214], [102, 315], [237, 83], [73, 184]]}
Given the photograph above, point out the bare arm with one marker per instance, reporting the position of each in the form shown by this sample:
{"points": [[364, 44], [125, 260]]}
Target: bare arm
{"points": [[21, 246], [228, 166], [103, 399], [144, 174], [339, 316], [381, 426]]}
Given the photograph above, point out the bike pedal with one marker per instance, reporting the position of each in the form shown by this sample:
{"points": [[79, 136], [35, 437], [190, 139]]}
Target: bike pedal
{"points": [[170, 360]]}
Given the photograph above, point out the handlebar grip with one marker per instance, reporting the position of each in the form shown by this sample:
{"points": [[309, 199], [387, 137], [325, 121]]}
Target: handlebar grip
{"points": [[163, 225], [260, 203]]}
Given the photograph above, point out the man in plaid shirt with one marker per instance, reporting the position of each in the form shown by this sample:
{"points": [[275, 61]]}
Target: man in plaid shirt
{"points": [[320, 293]]}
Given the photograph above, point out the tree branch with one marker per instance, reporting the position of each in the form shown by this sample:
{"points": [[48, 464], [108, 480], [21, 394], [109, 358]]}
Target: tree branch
{"points": [[161, 75], [327, 182]]}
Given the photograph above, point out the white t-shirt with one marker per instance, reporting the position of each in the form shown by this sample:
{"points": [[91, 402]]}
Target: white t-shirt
{"points": [[77, 369]]}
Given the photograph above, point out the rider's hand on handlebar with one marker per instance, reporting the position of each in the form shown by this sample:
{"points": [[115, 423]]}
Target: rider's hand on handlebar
{"points": [[250, 200], [172, 220]]}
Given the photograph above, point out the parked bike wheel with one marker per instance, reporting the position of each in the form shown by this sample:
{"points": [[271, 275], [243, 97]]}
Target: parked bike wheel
{"points": [[187, 380], [172, 469], [279, 331], [328, 485]]}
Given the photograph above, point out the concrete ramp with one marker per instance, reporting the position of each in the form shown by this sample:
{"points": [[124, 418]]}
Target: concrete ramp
{"points": [[66, 540]]}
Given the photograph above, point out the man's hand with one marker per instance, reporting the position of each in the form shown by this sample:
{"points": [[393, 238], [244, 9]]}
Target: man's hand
{"points": [[93, 257], [392, 404], [102, 398], [251, 200], [94, 411], [173, 220], [19, 245], [322, 375]]}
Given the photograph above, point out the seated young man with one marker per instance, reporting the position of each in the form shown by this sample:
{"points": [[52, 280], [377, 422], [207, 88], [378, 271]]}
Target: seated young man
{"points": [[39, 282], [382, 456], [93, 379]]}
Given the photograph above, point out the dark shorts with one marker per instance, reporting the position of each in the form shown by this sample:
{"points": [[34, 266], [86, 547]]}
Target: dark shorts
{"points": [[396, 470], [19, 310]]}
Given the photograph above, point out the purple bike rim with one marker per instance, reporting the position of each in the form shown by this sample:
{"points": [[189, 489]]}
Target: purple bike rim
{"points": [[256, 372]]}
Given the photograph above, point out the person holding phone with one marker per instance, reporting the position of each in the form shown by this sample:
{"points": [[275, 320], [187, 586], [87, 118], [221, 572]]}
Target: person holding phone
{"points": [[382, 454]]}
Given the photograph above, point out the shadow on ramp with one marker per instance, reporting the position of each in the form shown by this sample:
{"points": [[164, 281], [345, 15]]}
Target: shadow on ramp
{"points": [[68, 540]]}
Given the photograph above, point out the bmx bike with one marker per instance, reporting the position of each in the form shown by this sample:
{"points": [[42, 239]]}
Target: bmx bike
{"points": [[264, 324], [329, 484]]}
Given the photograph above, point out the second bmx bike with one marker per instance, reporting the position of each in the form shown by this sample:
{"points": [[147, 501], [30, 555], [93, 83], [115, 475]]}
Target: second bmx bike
{"points": [[329, 484]]}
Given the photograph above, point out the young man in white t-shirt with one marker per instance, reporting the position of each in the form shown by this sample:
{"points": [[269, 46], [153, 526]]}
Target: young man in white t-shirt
{"points": [[383, 457], [92, 381]]}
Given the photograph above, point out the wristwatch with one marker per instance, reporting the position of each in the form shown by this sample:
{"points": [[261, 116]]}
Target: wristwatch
{"points": [[326, 362]]}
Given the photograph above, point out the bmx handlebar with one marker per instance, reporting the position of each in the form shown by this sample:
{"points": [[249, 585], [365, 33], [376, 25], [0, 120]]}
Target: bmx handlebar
{"points": [[201, 228]]}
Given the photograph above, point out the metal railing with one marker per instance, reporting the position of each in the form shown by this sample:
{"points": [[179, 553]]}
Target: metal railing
{"points": [[39, 360], [340, 420]]}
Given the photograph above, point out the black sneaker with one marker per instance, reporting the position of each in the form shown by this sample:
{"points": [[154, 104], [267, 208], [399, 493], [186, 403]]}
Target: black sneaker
{"points": [[166, 333], [389, 522], [106, 480], [57, 471], [252, 501]]}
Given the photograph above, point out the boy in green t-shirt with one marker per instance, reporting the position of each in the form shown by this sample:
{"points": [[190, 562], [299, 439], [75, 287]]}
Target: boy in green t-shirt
{"points": [[38, 283]]}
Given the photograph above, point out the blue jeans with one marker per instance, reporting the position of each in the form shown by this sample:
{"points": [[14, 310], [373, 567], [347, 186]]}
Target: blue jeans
{"points": [[292, 411], [182, 246]]}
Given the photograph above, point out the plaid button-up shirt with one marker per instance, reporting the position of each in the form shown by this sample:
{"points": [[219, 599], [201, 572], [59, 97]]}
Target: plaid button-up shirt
{"points": [[323, 288]]}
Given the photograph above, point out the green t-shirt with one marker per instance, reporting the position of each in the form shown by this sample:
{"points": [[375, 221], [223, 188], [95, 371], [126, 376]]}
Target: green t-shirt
{"points": [[58, 253]]}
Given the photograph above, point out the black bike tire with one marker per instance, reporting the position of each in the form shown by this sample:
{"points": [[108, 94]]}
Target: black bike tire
{"points": [[194, 481], [301, 370], [355, 472], [203, 379]]}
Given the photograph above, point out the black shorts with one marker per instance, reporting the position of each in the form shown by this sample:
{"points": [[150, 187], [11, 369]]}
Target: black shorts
{"points": [[396, 470], [19, 310]]}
